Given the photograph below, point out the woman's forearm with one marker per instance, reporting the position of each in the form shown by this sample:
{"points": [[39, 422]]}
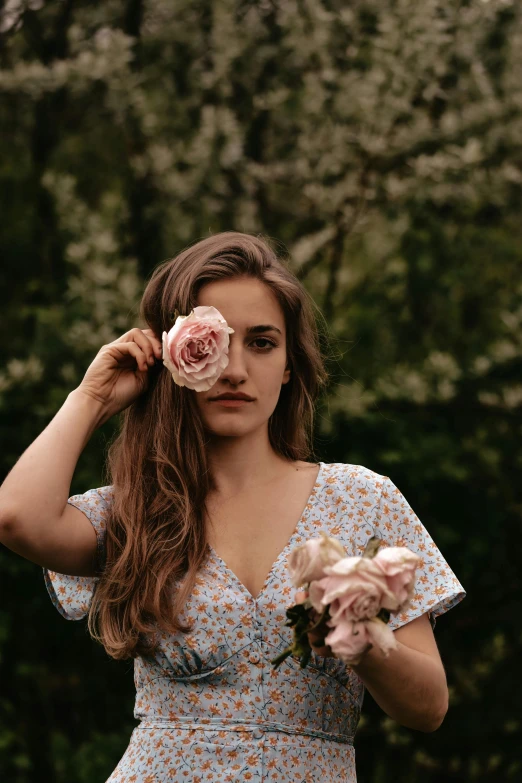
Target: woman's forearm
{"points": [[41, 479], [410, 686]]}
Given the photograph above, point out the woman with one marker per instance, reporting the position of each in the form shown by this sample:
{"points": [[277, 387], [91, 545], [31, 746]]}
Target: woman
{"points": [[180, 562]]}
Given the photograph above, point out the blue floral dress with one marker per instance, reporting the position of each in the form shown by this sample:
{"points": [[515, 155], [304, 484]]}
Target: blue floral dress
{"points": [[210, 705]]}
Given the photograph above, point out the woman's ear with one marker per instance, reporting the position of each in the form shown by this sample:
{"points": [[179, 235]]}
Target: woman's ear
{"points": [[286, 375]]}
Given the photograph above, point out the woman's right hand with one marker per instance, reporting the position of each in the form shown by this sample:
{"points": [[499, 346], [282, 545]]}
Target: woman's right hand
{"points": [[119, 372]]}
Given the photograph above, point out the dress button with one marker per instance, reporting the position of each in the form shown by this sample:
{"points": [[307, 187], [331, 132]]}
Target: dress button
{"points": [[254, 657], [257, 634], [257, 734]]}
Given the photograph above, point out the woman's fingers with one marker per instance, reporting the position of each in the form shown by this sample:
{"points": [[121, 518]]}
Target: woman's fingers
{"points": [[149, 344], [318, 635], [156, 342], [121, 351], [314, 638]]}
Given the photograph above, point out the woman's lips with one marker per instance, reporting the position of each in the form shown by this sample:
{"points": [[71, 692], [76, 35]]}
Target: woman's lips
{"points": [[232, 403]]}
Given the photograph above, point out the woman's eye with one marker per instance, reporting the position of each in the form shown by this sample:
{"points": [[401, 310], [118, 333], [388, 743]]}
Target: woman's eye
{"points": [[269, 345]]}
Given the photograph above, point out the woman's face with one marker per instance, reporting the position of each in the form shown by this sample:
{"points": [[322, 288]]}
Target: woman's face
{"points": [[257, 359]]}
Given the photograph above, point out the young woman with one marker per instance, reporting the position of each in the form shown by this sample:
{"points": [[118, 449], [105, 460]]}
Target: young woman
{"points": [[180, 562]]}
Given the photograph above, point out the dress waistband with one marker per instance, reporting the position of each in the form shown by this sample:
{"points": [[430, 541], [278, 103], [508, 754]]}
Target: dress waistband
{"points": [[256, 728]]}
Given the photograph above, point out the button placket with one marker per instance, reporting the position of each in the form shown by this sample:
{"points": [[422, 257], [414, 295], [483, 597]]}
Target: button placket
{"points": [[257, 635], [254, 656]]}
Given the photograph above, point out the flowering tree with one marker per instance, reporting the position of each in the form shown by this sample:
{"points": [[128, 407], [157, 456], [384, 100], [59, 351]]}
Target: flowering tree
{"points": [[380, 143]]}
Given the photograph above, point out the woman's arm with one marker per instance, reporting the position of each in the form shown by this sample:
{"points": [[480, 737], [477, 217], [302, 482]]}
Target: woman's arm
{"points": [[34, 494], [410, 684]]}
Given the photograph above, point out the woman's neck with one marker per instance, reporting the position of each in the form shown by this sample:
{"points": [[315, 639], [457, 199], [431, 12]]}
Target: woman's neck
{"points": [[239, 463]]}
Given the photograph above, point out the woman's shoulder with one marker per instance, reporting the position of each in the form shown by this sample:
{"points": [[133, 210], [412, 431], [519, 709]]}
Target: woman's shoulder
{"points": [[351, 475]]}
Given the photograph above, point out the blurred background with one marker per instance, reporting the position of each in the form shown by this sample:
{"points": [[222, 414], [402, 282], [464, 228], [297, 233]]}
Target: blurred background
{"points": [[379, 142]]}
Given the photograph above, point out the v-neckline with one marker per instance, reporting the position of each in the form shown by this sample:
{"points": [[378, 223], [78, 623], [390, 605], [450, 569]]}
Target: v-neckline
{"points": [[289, 543]]}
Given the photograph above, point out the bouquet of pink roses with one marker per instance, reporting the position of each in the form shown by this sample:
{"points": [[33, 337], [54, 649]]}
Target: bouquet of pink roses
{"points": [[353, 596]]}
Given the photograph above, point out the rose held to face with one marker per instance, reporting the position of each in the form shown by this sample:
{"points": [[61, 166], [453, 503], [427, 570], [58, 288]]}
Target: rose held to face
{"points": [[195, 350]]}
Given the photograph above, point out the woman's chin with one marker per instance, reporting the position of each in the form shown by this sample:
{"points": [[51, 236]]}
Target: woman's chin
{"points": [[229, 429]]}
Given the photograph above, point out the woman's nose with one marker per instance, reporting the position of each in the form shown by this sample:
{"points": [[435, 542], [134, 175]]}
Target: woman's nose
{"points": [[236, 369]]}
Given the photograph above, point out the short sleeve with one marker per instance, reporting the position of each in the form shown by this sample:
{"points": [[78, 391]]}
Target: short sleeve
{"points": [[437, 589], [72, 595]]}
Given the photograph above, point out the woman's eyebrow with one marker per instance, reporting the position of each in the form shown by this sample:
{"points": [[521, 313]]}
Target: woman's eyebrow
{"points": [[262, 328]]}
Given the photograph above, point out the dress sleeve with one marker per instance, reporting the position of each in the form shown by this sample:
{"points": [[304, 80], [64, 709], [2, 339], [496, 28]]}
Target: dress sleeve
{"points": [[72, 595], [437, 589]]}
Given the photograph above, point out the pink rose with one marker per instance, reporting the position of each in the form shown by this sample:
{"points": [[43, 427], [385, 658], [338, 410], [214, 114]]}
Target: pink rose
{"points": [[398, 564], [355, 588], [307, 562], [350, 639], [195, 350]]}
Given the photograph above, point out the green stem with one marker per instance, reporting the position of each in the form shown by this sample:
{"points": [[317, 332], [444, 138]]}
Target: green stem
{"points": [[372, 547], [301, 648]]}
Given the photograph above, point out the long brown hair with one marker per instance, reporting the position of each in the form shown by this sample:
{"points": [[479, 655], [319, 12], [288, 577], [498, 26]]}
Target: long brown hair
{"points": [[157, 465]]}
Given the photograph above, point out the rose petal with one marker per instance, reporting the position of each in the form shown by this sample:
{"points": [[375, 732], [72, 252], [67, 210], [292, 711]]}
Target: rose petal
{"points": [[307, 562], [394, 560], [381, 635], [316, 595], [358, 605], [349, 641]]}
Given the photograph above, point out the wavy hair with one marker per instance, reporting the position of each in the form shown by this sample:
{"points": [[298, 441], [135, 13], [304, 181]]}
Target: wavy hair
{"points": [[157, 465]]}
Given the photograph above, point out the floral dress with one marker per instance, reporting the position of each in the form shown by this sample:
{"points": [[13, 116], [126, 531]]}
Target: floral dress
{"points": [[210, 705]]}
